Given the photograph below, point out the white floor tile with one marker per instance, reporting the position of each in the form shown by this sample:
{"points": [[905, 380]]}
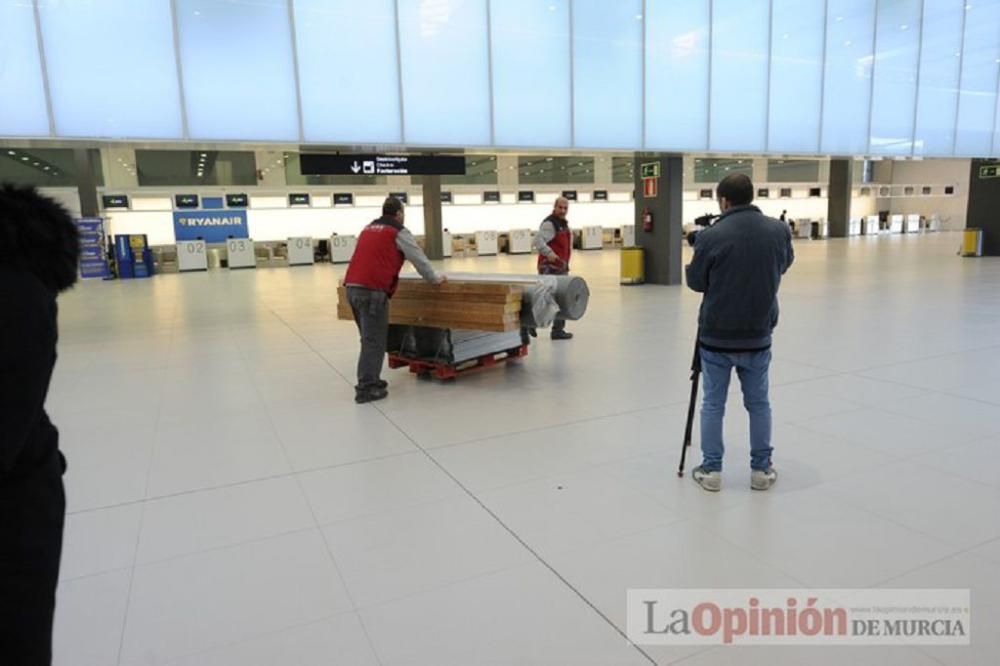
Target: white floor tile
{"points": [[367, 488], [824, 542], [570, 511], [896, 435], [982, 579], [511, 459], [191, 604], [519, 616], [90, 613], [107, 464], [960, 512], [822, 655], [339, 640], [100, 541], [399, 553], [336, 432], [203, 520], [207, 453]]}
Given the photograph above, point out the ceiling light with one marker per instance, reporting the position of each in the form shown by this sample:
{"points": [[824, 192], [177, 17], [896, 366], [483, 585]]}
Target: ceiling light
{"points": [[847, 43], [903, 27], [34, 164], [25, 159], [45, 168], [12, 152], [839, 19]]}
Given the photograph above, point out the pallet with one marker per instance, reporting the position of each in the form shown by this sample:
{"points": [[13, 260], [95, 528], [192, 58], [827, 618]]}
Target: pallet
{"points": [[451, 371]]}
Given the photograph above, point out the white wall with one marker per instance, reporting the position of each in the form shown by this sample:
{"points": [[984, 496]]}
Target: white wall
{"points": [[936, 173]]}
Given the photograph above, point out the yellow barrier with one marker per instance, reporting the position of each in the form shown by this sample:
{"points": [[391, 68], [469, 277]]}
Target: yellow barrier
{"points": [[972, 242], [633, 268]]}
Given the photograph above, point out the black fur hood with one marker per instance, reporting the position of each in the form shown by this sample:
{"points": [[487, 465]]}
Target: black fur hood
{"points": [[38, 235]]}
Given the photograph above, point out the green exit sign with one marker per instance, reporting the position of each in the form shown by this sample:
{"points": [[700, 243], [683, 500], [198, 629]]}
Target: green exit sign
{"points": [[650, 170], [989, 172]]}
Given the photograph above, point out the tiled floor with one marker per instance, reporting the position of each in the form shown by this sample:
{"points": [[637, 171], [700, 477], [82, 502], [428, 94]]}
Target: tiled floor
{"points": [[231, 505]]}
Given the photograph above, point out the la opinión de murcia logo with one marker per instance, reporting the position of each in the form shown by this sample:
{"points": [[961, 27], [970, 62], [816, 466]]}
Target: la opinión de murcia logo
{"points": [[816, 617]]}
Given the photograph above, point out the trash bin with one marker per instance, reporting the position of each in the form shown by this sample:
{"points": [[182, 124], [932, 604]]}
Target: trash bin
{"points": [[633, 270], [972, 242]]}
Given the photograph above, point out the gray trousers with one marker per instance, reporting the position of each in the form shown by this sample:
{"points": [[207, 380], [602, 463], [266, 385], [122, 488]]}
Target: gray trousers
{"points": [[371, 314], [558, 324]]}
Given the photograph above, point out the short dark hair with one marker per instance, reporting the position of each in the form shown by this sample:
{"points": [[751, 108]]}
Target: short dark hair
{"points": [[391, 206], [736, 188]]}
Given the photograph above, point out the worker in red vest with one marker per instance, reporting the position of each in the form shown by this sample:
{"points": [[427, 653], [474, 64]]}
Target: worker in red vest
{"points": [[554, 243], [371, 280]]}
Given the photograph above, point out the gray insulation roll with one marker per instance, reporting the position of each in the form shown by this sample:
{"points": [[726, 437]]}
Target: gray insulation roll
{"points": [[545, 296]]}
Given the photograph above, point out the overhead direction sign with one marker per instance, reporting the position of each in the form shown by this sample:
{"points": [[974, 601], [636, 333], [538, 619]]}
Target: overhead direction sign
{"points": [[321, 164]]}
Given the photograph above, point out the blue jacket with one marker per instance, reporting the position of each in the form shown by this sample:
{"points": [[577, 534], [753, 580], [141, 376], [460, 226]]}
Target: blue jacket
{"points": [[738, 263]]}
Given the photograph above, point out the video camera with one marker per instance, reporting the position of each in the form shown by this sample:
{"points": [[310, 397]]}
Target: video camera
{"points": [[701, 223]]}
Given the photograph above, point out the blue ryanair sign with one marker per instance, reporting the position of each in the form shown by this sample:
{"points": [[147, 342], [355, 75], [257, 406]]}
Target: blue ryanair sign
{"points": [[214, 226]]}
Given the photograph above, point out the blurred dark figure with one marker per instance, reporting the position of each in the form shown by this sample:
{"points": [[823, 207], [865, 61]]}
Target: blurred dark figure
{"points": [[39, 251]]}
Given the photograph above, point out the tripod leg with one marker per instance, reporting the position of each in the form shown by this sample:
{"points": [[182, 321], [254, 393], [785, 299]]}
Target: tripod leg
{"points": [[695, 376]]}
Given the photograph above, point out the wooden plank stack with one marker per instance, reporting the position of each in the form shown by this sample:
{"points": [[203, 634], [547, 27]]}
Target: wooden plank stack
{"points": [[479, 306]]}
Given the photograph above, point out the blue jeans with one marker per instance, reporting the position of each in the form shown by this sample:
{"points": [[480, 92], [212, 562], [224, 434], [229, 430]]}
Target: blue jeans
{"points": [[751, 368]]}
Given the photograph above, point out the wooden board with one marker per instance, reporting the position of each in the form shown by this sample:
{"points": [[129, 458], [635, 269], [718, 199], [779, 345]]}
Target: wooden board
{"points": [[480, 306]]}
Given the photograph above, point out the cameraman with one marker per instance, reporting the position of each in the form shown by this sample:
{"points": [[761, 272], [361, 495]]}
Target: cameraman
{"points": [[738, 263]]}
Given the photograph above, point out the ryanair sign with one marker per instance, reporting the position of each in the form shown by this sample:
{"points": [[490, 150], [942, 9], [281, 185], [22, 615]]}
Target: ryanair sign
{"points": [[213, 226]]}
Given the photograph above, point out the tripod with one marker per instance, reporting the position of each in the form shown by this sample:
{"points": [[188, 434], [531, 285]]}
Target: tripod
{"points": [[695, 376]]}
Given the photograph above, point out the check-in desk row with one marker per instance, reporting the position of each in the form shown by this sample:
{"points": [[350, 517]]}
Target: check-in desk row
{"points": [[237, 253]]}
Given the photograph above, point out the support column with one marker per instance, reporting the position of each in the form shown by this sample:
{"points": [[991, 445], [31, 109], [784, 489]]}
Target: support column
{"points": [[838, 212], [984, 199], [86, 182], [662, 245], [433, 245]]}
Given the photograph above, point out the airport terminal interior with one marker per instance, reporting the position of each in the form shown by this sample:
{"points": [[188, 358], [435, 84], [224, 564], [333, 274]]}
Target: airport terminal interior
{"points": [[230, 503]]}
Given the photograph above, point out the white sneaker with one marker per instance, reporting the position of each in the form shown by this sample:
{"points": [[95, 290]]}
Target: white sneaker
{"points": [[710, 481], [763, 479]]}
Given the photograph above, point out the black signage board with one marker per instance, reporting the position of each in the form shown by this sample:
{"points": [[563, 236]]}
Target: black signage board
{"points": [[786, 193], [569, 195], [491, 196], [186, 201], [705, 194], [343, 199], [763, 193], [446, 197], [321, 164], [298, 199], [237, 200], [600, 195], [114, 201], [402, 196], [526, 196]]}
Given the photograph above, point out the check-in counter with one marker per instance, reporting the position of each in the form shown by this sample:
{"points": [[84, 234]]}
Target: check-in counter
{"points": [[240, 253], [486, 243], [192, 255], [628, 235], [871, 226], [519, 241], [895, 224], [854, 227], [446, 247], [300, 251], [342, 248], [592, 238], [912, 224]]}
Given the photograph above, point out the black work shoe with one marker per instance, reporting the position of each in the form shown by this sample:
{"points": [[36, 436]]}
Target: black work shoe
{"points": [[561, 335], [370, 395], [382, 384]]}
